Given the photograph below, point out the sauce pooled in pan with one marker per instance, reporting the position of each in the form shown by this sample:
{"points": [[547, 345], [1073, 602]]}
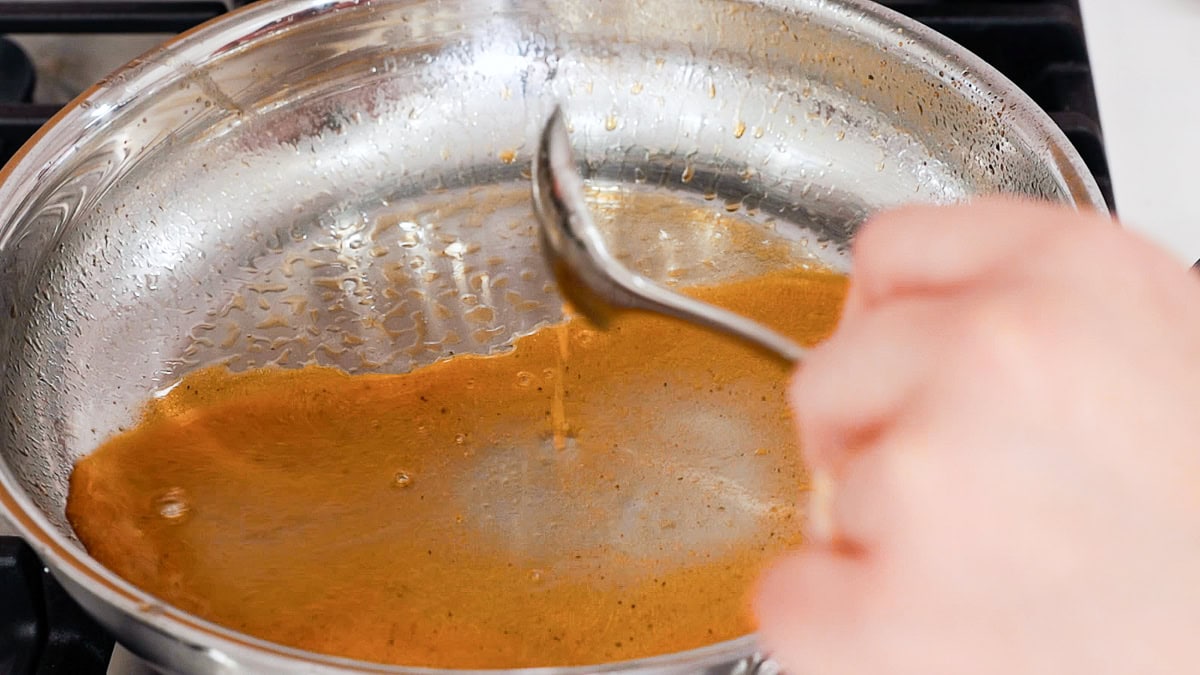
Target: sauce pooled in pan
{"points": [[589, 496]]}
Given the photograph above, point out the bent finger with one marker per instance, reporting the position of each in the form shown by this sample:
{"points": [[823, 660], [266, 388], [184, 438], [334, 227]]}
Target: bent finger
{"points": [[851, 387]]}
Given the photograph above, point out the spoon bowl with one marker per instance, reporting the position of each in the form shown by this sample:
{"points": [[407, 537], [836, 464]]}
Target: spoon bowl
{"points": [[591, 277]]}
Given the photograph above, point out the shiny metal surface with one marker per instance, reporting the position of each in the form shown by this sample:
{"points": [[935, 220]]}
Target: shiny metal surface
{"points": [[576, 248], [344, 183], [125, 663]]}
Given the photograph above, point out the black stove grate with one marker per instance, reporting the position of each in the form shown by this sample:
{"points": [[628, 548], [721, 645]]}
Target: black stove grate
{"points": [[42, 630], [104, 16], [1039, 45]]}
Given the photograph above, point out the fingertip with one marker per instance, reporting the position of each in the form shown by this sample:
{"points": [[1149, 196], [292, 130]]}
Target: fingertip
{"points": [[816, 436], [850, 387]]}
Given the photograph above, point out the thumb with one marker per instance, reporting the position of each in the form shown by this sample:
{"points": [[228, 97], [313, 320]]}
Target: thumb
{"points": [[809, 608]]}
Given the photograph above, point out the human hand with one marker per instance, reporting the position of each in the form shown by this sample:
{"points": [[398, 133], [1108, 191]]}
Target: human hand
{"points": [[1010, 413]]}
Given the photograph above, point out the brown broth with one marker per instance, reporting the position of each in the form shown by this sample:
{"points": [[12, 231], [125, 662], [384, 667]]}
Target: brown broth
{"points": [[588, 496]]}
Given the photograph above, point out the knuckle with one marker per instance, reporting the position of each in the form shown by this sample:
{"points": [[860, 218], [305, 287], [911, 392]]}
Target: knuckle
{"points": [[1000, 339], [871, 243]]}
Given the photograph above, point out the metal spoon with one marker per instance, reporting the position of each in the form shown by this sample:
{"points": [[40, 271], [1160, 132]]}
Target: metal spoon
{"points": [[578, 252]]}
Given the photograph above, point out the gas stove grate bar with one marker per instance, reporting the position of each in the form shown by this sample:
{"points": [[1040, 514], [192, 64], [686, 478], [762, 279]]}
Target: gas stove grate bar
{"points": [[100, 16]]}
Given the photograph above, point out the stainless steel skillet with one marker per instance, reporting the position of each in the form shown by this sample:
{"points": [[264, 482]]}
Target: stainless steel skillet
{"points": [[142, 231]]}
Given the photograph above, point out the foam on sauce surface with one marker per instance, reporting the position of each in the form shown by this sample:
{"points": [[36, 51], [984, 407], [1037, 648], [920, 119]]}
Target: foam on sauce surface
{"points": [[587, 497]]}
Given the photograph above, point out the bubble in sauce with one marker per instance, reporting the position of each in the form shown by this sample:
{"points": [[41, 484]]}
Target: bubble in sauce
{"points": [[585, 337], [524, 378], [402, 479], [173, 504]]}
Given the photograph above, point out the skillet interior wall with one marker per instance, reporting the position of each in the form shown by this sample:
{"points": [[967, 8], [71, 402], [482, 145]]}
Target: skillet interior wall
{"points": [[247, 184]]}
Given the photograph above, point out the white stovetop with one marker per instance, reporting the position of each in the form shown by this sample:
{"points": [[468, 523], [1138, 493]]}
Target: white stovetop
{"points": [[1145, 56]]}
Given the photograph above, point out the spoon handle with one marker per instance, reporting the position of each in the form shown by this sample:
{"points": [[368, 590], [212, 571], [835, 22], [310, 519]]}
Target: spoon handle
{"points": [[651, 296]]}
